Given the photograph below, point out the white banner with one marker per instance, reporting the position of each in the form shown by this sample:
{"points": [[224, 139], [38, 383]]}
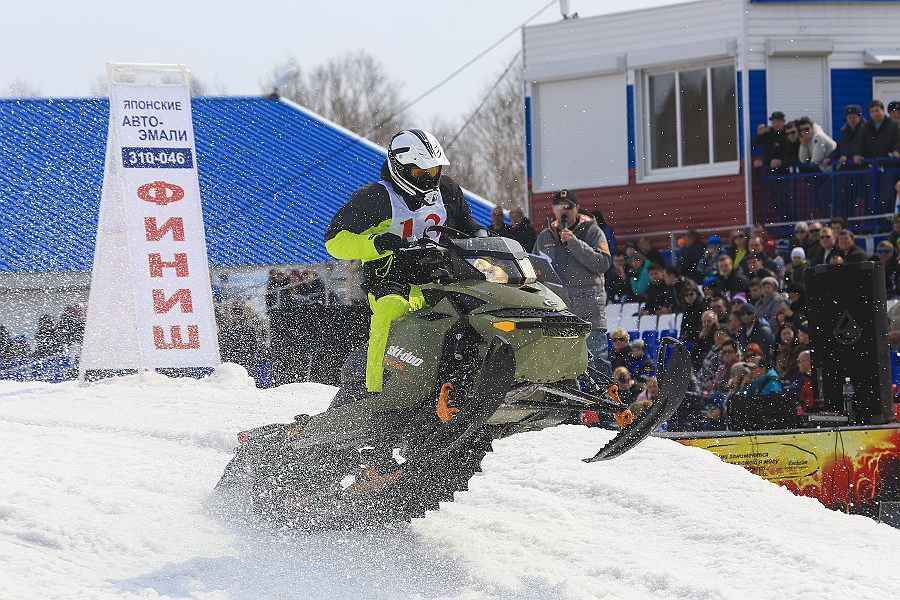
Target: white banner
{"points": [[150, 213]]}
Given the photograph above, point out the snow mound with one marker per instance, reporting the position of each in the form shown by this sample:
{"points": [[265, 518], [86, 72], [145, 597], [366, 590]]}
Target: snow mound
{"points": [[231, 376], [107, 494]]}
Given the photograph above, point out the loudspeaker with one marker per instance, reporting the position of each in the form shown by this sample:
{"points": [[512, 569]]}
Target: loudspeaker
{"points": [[761, 412], [848, 329]]}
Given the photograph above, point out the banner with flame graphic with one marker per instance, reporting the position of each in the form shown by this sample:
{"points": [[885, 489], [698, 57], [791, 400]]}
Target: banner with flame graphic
{"points": [[845, 469]]}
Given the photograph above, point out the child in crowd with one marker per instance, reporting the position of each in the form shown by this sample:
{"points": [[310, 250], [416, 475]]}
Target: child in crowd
{"points": [[640, 364]]}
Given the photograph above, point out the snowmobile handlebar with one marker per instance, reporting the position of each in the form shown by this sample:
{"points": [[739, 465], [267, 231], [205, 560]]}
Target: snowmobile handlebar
{"points": [[444, 230], [455, 234]]}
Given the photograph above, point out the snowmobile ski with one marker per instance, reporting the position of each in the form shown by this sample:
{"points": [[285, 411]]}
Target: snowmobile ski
{"points": [[674, 377]]}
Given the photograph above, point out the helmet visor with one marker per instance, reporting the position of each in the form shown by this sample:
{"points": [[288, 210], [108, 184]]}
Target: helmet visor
{"points": [[419, 173]]}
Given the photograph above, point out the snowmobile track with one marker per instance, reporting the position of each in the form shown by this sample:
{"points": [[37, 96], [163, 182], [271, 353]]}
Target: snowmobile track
{"points": [[420, 489]]}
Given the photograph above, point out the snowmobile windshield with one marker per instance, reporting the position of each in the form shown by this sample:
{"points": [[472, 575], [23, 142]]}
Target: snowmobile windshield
{"points": [[499, 259]]}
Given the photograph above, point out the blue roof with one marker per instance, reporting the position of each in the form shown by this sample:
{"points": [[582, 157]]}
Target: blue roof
{"points": [[271, 177]]}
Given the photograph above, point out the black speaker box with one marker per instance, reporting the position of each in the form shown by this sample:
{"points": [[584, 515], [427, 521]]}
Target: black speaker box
{"points": [[762, 412], [848, 329]]}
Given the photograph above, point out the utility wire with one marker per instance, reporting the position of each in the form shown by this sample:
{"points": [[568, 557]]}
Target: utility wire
{"points": [[405, 106], [485, 99], [462, 68]]}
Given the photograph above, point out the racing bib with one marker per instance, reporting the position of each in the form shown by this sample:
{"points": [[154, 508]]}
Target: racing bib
{"points": [[411, 224]]}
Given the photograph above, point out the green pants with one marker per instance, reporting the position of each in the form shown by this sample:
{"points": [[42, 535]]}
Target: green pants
{"points": [[384, 310]]}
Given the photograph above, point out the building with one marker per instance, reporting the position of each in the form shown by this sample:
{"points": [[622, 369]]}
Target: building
{"points": [[272, 174], [603, 116]]}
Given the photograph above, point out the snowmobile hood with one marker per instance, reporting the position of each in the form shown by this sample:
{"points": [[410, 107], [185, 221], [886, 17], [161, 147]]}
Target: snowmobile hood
{"points": [[495, 296]]}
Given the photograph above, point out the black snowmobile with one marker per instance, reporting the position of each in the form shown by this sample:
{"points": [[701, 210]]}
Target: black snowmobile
{"points": [[495, 353]]}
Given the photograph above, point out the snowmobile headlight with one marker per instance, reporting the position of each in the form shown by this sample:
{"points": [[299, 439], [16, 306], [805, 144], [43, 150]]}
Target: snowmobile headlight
{"points": [[493, 269]]}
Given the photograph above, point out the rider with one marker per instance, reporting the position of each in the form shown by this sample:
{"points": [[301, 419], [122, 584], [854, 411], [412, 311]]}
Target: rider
{"points": [[384, 219]]}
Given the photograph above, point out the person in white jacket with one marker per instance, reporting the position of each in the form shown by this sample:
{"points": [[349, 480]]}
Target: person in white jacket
{"points": [[815, 145]]}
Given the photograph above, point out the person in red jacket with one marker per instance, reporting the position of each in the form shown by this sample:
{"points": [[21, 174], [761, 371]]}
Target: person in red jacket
{"points": [[807, 401]]}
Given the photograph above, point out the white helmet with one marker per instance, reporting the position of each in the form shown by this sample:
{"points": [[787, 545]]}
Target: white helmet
{"points": [[415, 158]]}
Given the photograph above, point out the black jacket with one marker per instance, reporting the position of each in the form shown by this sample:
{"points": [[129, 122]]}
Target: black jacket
{"points": [[690, 256], [855, 254], [620, 358], [691, 323], [848, 141], [734, 283], [773, 143], [617, 289], [659, 295], [878, 142], [794, 274], [368, 213], [524, 234], [817, 256], [790, 154]]}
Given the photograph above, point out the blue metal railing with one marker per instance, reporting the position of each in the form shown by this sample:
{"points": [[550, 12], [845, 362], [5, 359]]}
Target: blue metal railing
{"points": [[64, 367], [805, 193], [52, 369]]}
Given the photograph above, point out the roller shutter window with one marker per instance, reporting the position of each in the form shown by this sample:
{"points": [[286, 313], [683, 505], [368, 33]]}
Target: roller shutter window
{"points": [[886, 89], [582, 133], [797, 86]]}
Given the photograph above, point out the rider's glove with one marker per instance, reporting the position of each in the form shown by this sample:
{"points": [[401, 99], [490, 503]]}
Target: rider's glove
{"points": [[389, 242]]}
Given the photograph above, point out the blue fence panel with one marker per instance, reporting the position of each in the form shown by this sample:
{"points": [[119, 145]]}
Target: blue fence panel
{"points": [[806, 193], [53, 369]]}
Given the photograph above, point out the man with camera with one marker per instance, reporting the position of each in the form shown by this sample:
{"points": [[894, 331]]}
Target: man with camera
{"points": [[579, 253]]}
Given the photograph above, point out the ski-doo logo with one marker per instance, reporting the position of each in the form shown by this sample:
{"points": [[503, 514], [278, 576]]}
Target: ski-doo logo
{"points": [[401, 354]]}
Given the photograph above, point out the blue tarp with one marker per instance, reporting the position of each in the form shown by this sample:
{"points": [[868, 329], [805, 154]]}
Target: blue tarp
{"points": [[271, 177]]}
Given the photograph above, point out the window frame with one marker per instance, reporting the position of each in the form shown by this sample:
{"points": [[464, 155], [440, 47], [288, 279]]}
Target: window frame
{"points": [[644, 172]]}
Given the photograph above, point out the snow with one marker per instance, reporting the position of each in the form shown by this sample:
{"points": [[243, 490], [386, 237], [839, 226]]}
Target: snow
{"points": [[107, 493]]}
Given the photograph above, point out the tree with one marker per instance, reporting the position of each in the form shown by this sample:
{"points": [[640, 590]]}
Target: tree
{"points": [[352, 90], [488, 152], [20, 88]]}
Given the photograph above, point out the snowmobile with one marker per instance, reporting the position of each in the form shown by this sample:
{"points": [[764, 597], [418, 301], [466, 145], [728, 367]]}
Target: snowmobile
{"points": [[494, 353]]}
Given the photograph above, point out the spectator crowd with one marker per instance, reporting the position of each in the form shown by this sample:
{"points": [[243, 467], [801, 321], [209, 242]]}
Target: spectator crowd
{"points": [[310, 331], [804, 145], [296, 340], [743, 301], [744, 307]]}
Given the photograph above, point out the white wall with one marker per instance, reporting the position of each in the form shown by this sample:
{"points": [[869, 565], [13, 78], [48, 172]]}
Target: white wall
{"points": [[633, 31], [851, 27]]}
